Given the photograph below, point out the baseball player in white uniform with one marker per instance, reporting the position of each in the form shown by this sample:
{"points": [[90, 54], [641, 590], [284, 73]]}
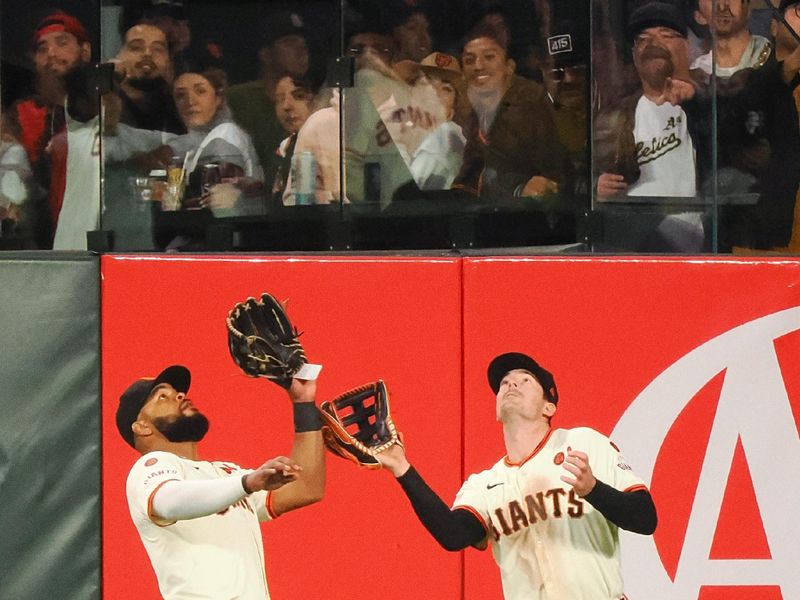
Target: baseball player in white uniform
{"points": [[199, 520], [551, 509]]}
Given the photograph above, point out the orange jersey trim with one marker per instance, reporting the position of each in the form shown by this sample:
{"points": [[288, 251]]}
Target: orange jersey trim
{"points": [[270, 510], [510, 463], [636, 488], [150, 514]]}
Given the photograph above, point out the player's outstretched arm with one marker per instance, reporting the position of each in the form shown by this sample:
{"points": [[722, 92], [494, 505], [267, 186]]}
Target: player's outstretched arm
{"points": [[453, 529], [178, 500], [307, 451]]}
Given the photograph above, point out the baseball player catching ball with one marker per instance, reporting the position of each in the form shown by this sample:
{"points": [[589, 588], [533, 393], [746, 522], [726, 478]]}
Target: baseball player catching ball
{"points": [[551, 508], [199, 520]]}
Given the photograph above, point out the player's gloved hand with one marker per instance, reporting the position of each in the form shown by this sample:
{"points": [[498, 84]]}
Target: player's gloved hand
{"points": [[263, 342], [583, 481], [358, 424], [273, 474]]}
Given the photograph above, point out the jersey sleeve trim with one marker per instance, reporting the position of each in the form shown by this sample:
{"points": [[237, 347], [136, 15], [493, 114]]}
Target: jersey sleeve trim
{"points": [[482, 545], [150, 514], [474, 512], [636, 488], [270, 510]]}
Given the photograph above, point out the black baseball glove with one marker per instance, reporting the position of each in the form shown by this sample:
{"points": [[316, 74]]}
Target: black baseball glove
{"points": [[358, 424], [262, 341]]}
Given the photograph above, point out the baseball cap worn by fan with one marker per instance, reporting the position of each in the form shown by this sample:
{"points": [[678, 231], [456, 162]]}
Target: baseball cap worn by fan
{"points": [[59, 21], [568, 45], [511, 361], [134, 398], [656, 14], [437, 64]]}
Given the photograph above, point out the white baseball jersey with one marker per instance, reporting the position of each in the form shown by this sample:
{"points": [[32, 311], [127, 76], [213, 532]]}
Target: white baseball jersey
{"points": [[220, 556], [549, 543], [80, 211], [664, 148]]}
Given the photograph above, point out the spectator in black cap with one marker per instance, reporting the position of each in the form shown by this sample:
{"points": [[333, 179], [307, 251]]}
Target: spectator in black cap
{"points": [[565, 77], [554, 503], [283, 52], [653, 153]]}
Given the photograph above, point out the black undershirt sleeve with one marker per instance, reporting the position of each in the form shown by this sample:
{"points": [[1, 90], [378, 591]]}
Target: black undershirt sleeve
{"points": [[633, 511], [453, 529]]}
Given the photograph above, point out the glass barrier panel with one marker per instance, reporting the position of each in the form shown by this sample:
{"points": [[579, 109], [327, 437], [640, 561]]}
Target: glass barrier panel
{"points": [[50, 143], [621, 126], [695, 127], [755, 76], [202, 151], [466, 125], [651, 133]]}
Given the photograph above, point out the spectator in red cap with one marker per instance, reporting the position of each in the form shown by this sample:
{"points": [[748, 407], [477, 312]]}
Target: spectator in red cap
{"points": [[59, 45]]}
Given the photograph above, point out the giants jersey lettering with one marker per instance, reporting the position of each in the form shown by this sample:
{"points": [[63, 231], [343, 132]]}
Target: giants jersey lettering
{"points": [[217, 556], [549, 543]]}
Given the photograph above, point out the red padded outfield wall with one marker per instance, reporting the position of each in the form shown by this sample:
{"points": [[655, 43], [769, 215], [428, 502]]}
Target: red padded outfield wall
{"points": [[363, 319], [691, 366]]}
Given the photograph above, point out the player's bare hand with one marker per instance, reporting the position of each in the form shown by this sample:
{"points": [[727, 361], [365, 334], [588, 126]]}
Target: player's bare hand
{"points": [[303, 390], [582, 481], [273, 474], [394, 459], [610, 184]]}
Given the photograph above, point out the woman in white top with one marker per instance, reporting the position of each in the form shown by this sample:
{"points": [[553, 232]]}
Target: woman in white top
{"points": [[212, 137]]}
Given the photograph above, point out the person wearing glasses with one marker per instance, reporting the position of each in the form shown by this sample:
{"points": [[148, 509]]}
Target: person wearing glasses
{"points": [[653, 153], [565, 74]]}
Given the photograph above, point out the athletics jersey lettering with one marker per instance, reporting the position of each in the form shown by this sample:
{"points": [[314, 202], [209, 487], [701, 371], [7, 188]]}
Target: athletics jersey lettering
{"points": [[538, 507], [656, 148]]}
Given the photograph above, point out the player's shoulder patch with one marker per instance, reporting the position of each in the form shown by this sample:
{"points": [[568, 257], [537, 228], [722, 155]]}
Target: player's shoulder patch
{"points": [[157, 457], [155, 466]]}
